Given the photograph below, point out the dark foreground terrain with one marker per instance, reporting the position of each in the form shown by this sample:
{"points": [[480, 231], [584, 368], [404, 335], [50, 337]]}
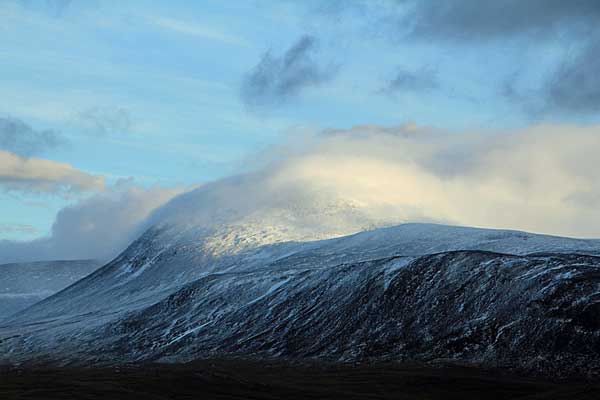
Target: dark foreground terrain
{"points": [[235, 379]]}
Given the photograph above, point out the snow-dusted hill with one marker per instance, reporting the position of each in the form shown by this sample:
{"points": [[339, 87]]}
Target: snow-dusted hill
{"points": [[413, 291], [24, 284]]}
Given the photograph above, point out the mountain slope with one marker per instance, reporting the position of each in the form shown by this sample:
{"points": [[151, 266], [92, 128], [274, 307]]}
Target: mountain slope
{"points": [[24, 284], [415, 291], [531, 311]]}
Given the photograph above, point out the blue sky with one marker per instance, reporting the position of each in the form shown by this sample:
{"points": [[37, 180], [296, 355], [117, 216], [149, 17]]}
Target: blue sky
{"points": [[152, 92]]}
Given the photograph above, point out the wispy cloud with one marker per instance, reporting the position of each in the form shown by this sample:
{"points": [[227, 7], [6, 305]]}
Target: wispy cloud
{"points": [[18, 228], [20, 138], [197, 29], [416, 81], [105, 120], [277, 79]]}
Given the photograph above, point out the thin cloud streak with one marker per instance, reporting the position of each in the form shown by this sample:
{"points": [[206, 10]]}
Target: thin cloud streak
{"points": [[201, 31]]}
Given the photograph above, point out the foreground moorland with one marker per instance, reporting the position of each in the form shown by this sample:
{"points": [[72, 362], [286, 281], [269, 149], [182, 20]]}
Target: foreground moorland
{"points": [[244, 379]]}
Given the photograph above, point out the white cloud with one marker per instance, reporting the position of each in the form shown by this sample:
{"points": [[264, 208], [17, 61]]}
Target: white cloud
{"points": [[97, 227], [38, 175], [542, 179]]}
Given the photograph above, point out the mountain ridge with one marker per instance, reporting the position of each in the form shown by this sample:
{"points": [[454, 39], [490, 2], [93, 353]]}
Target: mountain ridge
{"points": [[171, 302]]}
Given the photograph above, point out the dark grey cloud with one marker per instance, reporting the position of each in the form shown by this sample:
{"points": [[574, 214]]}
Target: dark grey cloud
{"points": [[474, 20], [105, 120], [575, 86], [514, 27], [422, 80], [19, 138], [469, 20], [276, 79], [572, 88]]}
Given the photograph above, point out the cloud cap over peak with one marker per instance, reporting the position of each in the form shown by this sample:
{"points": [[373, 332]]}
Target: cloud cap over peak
{"points": [[537, 179]]}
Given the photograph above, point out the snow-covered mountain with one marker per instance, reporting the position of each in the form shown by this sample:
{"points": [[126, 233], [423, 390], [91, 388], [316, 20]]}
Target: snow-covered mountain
{"points": [[24, 284], [408, 292]]}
